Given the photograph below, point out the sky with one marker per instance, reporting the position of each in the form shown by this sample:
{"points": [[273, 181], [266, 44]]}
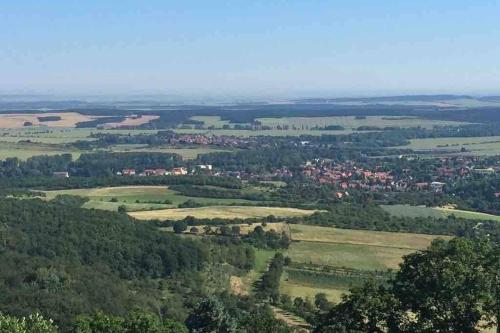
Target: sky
{"points": [[250, 48]]}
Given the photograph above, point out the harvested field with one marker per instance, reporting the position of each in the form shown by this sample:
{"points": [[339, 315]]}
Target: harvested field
{"points": [[227, 212]]}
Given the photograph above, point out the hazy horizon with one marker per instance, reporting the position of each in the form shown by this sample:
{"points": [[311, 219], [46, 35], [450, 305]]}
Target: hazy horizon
{"points": [[250, 49]]}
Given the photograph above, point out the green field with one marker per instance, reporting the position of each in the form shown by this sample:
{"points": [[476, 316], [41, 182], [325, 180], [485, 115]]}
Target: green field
{"points": [[324, 247], [304, 125], [214, 121], [436, 212], [249, 133], [60, 135], [352, 249], [148, 197], [351, 123], [186, 153], [24, 151], [489, 145]]}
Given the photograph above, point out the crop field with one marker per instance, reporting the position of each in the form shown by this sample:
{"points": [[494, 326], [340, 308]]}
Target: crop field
{"points": [[249, 133], [353, 249], [67, 119], [60, 135], [209, 121], [24, 151], [137, 198], [226, 212], [437, 212], [351, 123], [400, 240], [357, 256], [186, 153], [489, 145], [323, 247], [132, 121]]}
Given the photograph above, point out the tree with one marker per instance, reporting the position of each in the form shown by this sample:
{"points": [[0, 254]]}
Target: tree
{"points": [[180, 227], [139, 321], [35, 323], [448, 286], [322, 302], [98, 322], [366, 309], [210, 316], [262, 320], [172, 326], [235, 230]]}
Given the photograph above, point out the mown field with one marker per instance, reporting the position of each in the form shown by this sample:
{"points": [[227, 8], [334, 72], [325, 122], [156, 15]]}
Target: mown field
{"points": [[305, 125], [186, 153], [225, 212], [344, 248], [352, 123], [331, 248], [489, 145], [437, 212], [136, 198], [249, 133], [25, 150]]}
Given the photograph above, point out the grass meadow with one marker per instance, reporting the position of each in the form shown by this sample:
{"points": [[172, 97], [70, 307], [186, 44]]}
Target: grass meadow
{"points": [[436, 212], [137, 198], [345, 248]]}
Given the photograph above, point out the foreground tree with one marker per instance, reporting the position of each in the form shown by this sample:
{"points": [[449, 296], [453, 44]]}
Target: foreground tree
{"points": [[210, 316], [370, 308], [136, 322], [450, 287], [33, 324]]}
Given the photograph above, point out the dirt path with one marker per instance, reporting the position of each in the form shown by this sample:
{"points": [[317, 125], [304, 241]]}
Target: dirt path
{"points": [[291, 320]]}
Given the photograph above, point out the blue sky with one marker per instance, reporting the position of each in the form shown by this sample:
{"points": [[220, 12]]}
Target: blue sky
{"points": [[250, 48]]}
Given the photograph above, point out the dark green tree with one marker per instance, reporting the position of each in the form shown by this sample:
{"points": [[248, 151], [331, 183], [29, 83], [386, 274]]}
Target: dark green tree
{"points": [[210, 316]]}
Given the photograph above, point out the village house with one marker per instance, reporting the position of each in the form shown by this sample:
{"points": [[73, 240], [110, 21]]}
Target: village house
{"points": [[128, 172], [179, 171], [60, 174]]}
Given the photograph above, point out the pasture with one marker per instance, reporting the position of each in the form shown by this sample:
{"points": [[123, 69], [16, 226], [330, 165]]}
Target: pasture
{"points": [[436, 212], [186, 153], [352, 123], [489, 145], [366, 251], [137, 198], [25, 150], [60, 135], [224, 212], [249, 133], [353, 249]]}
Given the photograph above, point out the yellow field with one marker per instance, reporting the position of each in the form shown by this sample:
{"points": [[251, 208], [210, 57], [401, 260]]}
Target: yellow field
{"points": [[299, 290], [399, 240], [226, 212], [68, 119]]}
